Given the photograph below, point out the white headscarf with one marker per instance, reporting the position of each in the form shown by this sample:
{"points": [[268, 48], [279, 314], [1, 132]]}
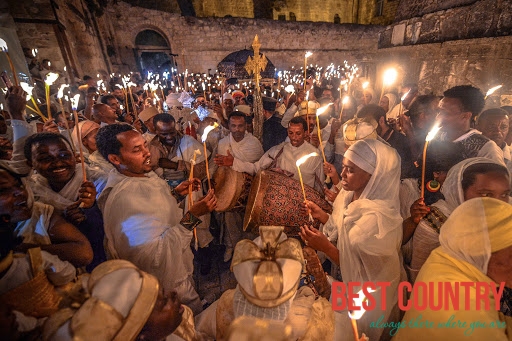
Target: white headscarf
{"points": [[477, 228], [392, 102], [452, 186]]}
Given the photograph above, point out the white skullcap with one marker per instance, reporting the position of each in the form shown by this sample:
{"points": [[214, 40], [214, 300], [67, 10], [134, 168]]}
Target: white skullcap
{"points": [[226, 96]]}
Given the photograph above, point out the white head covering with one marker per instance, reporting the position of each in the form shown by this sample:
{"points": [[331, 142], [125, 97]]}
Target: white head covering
{"points": [[375, 99], [477, 228], [452, 186], [393, 100], [85, 128], [226, 96]]}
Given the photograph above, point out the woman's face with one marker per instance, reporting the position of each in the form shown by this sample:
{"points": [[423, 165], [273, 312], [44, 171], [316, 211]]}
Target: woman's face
{"points": [[13, 199], [353, 178], [384, 103], [367, 98], [499, 268], [165, 317], [491, 185]]}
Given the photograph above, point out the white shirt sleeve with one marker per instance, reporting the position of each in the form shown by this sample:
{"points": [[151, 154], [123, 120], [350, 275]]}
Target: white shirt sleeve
{"points": [[491, 151]]}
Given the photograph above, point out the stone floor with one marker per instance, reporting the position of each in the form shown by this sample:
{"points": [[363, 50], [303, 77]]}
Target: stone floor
{"points": [[211, 286]]}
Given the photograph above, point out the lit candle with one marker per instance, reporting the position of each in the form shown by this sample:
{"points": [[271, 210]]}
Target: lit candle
{"points": [[429, 138], [306, 56], [50, 78], [492, 90], [319, 112], [357, 314], [345, 101], [3, 48], [60, 94], [298, 164], [190, 190], [74, 106], [203, 139], [389, 78], [29, 89]]}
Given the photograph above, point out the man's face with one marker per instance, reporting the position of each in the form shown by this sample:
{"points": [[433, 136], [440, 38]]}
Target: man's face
{"points": [[311, 120], [495, 127], [228, 104], [296, 134], [327, 93], [134, 157], [199, 101], [89, 141], [167, 133], [54, 161], [118, 93], [107, 112], [237, 127], [451, 115], [62, 121], [114, 104]]}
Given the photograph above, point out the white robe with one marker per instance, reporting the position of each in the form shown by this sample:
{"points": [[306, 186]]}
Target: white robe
{"points": [[311, 169], [142, 225], [249, 149], [35, 229]]}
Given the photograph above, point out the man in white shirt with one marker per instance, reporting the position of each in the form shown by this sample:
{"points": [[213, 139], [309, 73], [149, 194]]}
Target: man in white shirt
{"points": [[286, 154], [143, 222], [243, 146]]}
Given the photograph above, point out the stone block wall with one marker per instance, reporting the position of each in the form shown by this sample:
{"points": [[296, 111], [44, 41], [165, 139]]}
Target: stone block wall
{"points": [[203, 42]]}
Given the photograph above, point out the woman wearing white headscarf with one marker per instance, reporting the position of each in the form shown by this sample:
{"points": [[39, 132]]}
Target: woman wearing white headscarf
{"points": [[480, 252], [388, 102], [456, 189], [367, 221]]}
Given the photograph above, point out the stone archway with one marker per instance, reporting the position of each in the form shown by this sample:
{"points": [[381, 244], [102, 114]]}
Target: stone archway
{"points": [[152, 52]]}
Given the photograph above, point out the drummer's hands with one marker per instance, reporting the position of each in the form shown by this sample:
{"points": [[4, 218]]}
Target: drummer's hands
{"points": [[222, 160], [314, 238], [330, 170], [204, 206], [183, 188]]}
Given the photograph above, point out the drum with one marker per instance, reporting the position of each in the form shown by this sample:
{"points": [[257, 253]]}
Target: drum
{"points": [[275, 199], [231, 188]]}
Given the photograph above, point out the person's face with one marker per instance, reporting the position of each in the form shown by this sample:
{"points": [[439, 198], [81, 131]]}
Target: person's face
{"points": [[451, 115], [89, 141], [491, 185], [328, 94], [114, 104], [165, 317], [496, 128], [238, 100], [296, 134], [118, 93], [54, 161], [149, 125], [199, 101], [166, 132], [228, 104], [384, 103], [367, 98], [13, 198], [107, 112], [499, 267], [353, 178], [237, 127], [61, 123], [134, 157], [311, 121]]}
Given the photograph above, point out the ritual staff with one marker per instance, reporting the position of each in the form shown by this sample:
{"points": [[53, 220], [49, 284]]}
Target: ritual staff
{"points": [[476, 243], [143, 222], [468, 179], [285, 155], [457, 109], [367, 226], [240, 145], [273, 133]]}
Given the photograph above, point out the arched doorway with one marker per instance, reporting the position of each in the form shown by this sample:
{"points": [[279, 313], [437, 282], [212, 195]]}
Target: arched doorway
{"points": [[153, 53]]}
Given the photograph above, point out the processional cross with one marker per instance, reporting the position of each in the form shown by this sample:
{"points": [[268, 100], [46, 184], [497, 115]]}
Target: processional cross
{"points": [[254, 65]]}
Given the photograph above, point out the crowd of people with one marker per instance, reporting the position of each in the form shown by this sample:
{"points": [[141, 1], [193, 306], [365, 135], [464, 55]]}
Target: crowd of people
{"points": [[102, 216]]}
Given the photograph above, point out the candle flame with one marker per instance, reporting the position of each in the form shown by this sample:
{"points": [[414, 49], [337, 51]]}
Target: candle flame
{"points": [[74, 101], [308, 54], [304, 158], [345, 100], [357, 314], [390, 76], [365, 84], [50, 78], [405, 95], [119, 86], [34, 53], [207, 131], [60, 94], [432, 133], [3, 45], [321, 110], [492, 90], [27, 88]]}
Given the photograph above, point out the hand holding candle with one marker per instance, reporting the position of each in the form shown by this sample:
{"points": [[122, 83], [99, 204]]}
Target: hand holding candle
{"points": [[429, 138], [50, 78], [203, 139], [74, 106], [3, 48], [298, 164], [190, 189]]}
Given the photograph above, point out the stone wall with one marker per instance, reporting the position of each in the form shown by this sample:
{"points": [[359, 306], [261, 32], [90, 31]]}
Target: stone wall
{"points": [[417, 8], [203, 42], [222, 8]]}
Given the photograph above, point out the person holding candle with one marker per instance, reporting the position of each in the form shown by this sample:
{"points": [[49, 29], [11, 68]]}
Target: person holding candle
{"points": [[366, 225], [470, 178], [457, 109], [103, 114], [475, 247], [143, 222]]}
